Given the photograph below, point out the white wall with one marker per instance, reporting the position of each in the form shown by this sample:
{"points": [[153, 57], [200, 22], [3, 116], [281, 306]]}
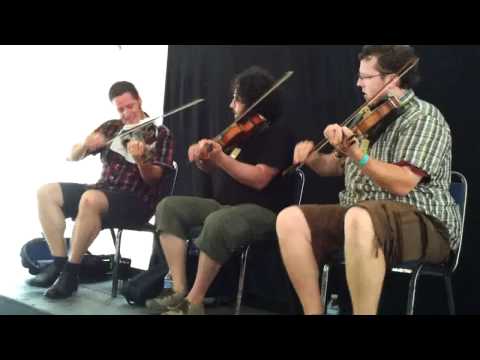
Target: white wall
{"points": [[51, 97]]}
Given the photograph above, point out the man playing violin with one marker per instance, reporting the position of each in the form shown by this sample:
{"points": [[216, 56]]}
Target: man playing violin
{"points": [[126, 194], [247, 195], [396, 205]]}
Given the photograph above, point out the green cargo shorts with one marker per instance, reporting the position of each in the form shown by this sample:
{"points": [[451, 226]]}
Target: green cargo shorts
{"points": [[225, 228]]}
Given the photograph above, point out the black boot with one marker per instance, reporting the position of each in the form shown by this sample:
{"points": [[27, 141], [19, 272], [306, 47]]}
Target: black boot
{"points": [[48, 275], [66, 284]]}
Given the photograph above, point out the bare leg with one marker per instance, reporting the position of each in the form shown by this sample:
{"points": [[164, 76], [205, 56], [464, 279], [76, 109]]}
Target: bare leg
{"points": [[52, 219], [365, 271], [175, 250], [296, 248], [206, 273], [88, 224]]}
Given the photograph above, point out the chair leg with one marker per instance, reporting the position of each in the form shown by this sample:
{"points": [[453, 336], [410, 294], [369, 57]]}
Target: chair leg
{"points": [[412, 288], [324, 287], [116, 263], [241, 279], [448, 286]]}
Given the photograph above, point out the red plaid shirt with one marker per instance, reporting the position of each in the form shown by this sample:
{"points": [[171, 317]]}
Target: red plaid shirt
{"points": [[120, 175]]}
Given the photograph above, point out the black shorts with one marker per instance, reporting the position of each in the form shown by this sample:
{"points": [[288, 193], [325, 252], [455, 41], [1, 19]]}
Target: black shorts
{"points": [[124, 208]]}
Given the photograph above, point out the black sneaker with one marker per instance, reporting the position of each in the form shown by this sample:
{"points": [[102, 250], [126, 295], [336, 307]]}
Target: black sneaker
{"points": [[47, 277], [64, 287]]}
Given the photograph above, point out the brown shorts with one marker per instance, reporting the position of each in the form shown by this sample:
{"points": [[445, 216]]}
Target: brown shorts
{"points": [[403, 232]]}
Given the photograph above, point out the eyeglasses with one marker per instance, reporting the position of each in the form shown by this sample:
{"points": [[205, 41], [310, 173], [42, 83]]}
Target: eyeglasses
{"points": [[366, 77]]}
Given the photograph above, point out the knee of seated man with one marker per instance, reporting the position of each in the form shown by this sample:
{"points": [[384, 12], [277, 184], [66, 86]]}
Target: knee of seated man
{"points": [[92, 200], [222, 225], [288, 220], [357, 221], [165, 206], [357, 217], [48, 192]]}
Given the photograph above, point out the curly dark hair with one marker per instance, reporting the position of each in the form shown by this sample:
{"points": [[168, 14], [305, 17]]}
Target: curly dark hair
{"points": [[391, 58], [122, 87], [252, 83]]}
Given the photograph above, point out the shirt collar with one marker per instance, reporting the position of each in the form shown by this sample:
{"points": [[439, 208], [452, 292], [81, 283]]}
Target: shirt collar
{"points": [[409, 95]]}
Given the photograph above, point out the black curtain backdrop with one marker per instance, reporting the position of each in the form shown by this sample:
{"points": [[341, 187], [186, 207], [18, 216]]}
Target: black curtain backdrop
{"points": [[323, 91]]}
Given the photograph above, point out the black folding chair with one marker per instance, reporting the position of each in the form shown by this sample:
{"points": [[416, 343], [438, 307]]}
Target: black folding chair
{"points": [[117, 237], [299, 184]]}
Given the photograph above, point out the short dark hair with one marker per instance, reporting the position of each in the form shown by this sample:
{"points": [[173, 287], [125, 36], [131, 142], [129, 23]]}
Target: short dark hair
{"points": [[252, 83], [391, 58], [122, 87]]}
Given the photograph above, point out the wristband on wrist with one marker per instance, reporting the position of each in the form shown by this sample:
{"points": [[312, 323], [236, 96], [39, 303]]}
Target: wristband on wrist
{"points": [[363, 161]]}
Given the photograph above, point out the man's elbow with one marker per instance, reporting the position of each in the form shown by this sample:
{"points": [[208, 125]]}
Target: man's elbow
{"points": [[154, 177], [262, 183], [402, 189]]}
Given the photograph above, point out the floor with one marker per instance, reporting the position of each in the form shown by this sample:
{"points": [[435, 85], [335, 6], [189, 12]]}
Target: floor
{"points": [[16, 297]]}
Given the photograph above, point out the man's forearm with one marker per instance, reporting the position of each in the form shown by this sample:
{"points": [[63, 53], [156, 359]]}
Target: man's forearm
{"points": [[150, 173], [254, 176], [79, 151]]}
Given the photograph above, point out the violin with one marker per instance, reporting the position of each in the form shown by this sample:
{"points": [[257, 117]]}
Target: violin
{"points": [[240, 131], [139, 128], [246, 125], [145, 134], [143, 131], [370, 119]]}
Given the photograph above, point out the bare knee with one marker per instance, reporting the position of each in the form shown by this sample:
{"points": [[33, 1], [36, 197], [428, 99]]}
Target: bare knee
{"points": [[50, 193], [358, 228], [291, 222], [92, 201]]}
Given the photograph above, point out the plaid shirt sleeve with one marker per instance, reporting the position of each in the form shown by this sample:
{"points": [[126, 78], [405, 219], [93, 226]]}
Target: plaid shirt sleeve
{"points": [[108, 129], [423, 143], [163, 154]]}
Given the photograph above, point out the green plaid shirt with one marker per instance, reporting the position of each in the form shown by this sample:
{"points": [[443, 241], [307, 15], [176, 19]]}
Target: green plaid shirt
{"points": [[420, 137]]}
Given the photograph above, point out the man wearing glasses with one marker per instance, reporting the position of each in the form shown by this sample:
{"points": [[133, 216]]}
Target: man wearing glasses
{"points": [[396, 205]]}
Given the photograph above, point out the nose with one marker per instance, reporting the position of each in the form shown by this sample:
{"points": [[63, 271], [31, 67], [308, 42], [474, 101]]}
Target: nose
{"points": [[232, 105]]}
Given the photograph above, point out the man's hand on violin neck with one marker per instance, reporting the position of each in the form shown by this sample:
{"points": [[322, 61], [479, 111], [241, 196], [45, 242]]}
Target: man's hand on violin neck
{"points": [[205, 150], [343, 140], [136, 149]]}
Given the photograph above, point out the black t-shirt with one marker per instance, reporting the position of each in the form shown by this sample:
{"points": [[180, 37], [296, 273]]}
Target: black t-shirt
{"points": [[272, 147]]}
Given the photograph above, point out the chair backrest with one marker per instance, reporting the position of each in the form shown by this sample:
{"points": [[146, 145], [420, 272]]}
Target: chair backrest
{"points": [[459, 192], [174, 177], [299, 184], [171, 179]]}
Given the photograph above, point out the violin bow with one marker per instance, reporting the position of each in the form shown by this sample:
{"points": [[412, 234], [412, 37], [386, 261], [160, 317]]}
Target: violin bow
{"points": [[268, 92], [151, 120]]}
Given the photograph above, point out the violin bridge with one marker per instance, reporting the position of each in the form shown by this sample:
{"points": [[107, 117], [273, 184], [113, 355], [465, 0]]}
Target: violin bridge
{"points": [[235, 152]]}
